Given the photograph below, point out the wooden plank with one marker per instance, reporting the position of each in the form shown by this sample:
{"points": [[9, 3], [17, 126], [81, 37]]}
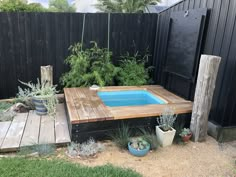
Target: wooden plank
{"points": [[207, 75], [4, 126], [87, 104], [129, 112], [31, 132], [120, 88], [61, 126], [166, 95], [80, 105], [47, 130], [98, 106], [15, 132], [70, 105]]}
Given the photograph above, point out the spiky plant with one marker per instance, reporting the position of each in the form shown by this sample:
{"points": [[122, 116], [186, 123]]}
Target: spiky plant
{"points": [[122, 136]]}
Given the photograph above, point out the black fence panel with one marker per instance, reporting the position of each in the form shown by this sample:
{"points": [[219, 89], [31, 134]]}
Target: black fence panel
{"points": [[219, 39], [30, 40]]}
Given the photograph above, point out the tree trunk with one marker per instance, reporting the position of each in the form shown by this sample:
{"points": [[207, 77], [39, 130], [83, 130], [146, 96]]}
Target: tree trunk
{"points": [[47, 75], [207, 75]]}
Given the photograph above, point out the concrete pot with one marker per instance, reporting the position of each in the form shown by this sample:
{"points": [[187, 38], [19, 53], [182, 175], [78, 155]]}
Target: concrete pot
{"points": [[165, 138]]}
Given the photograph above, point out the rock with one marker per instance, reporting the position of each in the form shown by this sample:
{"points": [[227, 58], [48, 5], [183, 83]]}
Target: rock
{"points": [[19, 108]]}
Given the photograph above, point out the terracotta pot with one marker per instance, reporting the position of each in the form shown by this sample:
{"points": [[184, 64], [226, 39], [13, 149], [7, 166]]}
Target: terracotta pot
{"points": [[186, 138]]}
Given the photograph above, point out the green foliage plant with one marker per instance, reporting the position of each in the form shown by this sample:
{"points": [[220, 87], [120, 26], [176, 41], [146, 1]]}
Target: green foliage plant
{"points": [[89, 66], [6, 115], [133, 71], [185, 132], [139, 143], [167, 119], [20, 6], [43, 91], [150, 137], [124, 6], [122, 136], [61, 6]]}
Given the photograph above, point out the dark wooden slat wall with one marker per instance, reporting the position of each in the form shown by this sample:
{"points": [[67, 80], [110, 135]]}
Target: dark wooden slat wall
{"points": [[29, 40], [219, 39]]}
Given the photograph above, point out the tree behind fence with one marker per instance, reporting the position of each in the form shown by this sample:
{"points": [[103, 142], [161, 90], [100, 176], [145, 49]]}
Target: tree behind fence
{"points": [[29, 40]]}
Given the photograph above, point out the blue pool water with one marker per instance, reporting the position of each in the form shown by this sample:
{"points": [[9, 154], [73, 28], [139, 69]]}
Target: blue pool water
{"points": [[129, 98]]}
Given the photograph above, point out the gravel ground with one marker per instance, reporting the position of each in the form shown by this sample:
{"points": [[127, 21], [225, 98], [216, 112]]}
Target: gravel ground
{"points": [[204, 159]]}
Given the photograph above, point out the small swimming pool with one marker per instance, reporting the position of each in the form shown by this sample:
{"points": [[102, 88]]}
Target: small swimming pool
{"points": [[129, 98]]}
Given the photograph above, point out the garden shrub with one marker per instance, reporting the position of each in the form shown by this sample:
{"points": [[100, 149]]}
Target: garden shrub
{"points": [[89, 66], [132, 70], [20, 6]]}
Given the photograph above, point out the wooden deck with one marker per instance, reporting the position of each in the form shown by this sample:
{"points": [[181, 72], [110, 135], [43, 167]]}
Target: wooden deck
{"points": [[84, 105], [28, 129]]}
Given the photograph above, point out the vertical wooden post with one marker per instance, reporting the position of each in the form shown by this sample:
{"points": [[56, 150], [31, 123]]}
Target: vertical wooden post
{"points": [[47, 75], [207, 75]]}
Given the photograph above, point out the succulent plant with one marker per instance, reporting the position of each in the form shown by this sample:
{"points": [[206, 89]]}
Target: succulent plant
{"points": [[185, 132], [139, 143]]}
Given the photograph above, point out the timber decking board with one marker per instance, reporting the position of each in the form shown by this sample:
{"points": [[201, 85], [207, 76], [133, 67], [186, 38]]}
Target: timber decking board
{"points": [[70, 105], [31, 132], [166, 95], [4, 126], [47, 130], [29, 129], [61, 127], [128, 112], [90, 107], [15, 132]]}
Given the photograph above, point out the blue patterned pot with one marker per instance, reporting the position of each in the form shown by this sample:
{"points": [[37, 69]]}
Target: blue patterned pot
{"points": [[39, 102], [138, 153]]}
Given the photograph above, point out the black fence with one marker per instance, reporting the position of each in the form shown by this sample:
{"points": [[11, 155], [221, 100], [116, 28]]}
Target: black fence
{"points": [[30, 40], [219, 39]]}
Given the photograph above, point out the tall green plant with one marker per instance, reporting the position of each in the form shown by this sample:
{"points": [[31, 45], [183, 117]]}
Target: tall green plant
{"points": [[124, 6], [61, 6], [20, 6], [89, 66], [133, 71]]}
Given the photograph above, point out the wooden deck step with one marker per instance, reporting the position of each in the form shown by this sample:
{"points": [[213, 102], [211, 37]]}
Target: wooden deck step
{"points": [[61, 126], [47, 130], [4, 126], [15, 132], [31, 132], [29, 129]]}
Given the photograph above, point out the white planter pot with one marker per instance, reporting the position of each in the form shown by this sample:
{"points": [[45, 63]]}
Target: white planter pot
{"points": [[165, 138]]}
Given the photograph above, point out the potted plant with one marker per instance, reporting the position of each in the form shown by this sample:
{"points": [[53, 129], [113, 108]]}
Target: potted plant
{"points": [[43, 97], [185, 134], [138, 147], [165, 131]]}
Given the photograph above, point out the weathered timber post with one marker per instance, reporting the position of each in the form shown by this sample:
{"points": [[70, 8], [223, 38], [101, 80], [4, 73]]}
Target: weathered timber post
{"points": [[207, 75], [47, 75]]}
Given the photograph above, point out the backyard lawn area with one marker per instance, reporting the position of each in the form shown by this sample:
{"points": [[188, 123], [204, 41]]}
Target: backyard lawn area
{"points": [[21, 167]]}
